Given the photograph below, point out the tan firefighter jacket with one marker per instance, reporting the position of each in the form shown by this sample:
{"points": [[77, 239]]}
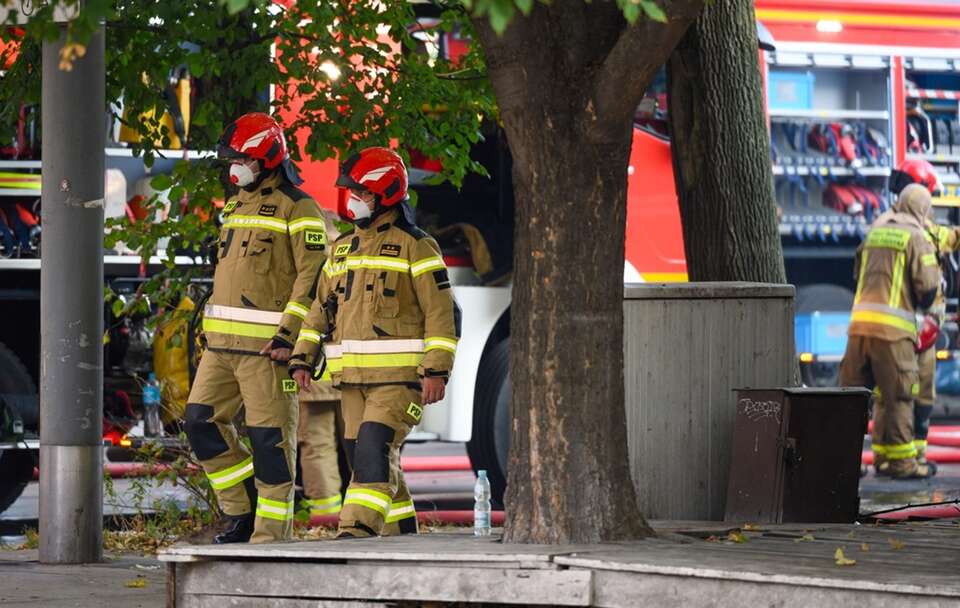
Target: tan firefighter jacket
{"points": [[946, 239], [896, 270], [272, 246], [385, 296]]}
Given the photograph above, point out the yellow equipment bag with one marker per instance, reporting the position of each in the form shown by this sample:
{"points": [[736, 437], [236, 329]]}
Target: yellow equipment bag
{"points": [[176, 116], [171, 360]]}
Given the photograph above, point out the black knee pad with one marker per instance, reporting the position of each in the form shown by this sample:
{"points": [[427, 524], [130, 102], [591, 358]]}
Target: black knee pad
{"points": [[408, 525], [204, 436], [372, 454], [269, 461], [921, 420]]}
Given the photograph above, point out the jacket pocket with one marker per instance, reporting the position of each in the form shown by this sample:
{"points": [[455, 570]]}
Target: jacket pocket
{"points": [[260, 252], [387, 304]]}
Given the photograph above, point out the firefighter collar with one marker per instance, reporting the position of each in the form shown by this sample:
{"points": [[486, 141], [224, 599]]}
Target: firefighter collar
{"points": [[380, 223], [268, 183]]}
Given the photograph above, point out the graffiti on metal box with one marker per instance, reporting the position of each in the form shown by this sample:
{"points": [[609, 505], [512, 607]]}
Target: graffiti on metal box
{"points": [[758, 410]]}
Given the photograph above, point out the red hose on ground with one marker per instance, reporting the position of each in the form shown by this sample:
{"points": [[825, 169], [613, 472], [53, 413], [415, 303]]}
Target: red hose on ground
{"points": [[936, 454], [424, 517], [410, 464], [930, 512]]}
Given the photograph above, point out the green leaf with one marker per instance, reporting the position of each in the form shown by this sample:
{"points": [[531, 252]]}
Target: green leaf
{"points": [[653, 10], [525, 6], [235, 6], [117, 308], [501, 12], [161, 182]]}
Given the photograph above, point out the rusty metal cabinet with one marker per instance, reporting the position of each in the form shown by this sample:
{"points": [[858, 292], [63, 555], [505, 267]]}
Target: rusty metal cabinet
{"points": [[796, 455]]}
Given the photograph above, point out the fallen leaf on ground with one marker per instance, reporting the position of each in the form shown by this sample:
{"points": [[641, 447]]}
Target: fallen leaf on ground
{"points": [[737, 537], [805, 537], [864, 547], [841, 559], [136, 583], [751, 528], [896, 545]]}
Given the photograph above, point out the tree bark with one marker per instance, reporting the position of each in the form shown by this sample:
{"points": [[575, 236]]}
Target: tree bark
{"points": [[721, 149], [570, 136]]}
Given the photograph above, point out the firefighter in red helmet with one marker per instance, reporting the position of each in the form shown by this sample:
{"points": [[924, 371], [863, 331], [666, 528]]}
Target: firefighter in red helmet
{"points": [[388, 327], [946, 239], [272, 246]]}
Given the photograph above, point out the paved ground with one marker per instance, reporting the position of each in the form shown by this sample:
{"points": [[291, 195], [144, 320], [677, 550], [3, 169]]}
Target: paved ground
{"points": [[127, 582]]}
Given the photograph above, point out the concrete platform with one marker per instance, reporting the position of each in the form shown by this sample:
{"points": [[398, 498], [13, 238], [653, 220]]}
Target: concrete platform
{"points": [[689, 564]]}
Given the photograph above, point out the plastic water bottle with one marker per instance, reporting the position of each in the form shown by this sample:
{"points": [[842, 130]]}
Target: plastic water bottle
{"points": [[153, 427], [481, 505]]}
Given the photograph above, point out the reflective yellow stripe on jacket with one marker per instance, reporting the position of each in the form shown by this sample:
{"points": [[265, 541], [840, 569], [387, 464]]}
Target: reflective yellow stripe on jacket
{"points": [[866, 312], [253, 221], [382, 353], [240, 321]]}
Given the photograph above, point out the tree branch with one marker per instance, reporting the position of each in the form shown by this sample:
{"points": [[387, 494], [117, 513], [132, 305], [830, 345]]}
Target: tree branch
{"points": [[634, 60]]}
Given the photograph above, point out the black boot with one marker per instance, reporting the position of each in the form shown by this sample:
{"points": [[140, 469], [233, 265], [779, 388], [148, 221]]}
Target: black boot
{"points": [[239, 530]]}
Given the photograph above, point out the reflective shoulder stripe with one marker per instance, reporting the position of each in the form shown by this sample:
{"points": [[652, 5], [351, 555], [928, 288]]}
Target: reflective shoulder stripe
{"points": [[378, 263], [434, 343], [888, 238], [864, 257], [253, 221], [297, 310], [896, 284], [305, 223], [427, 265], [333, 269], [238, 328], [929, 259], [309, 335], [235, 313]]}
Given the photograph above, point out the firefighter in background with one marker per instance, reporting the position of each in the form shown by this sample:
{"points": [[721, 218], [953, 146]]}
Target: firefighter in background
{"points": [[896, 270], [946, 239], [271, 249], [317, 438], [385, 313]]}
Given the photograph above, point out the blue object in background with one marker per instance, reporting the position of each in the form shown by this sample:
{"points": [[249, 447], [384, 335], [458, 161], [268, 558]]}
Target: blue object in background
{"points": [[790, 90], [821, 333], [948, 377]]}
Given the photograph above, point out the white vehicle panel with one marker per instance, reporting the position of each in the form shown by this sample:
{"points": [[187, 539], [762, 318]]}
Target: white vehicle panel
{"points": [[482, 307]]}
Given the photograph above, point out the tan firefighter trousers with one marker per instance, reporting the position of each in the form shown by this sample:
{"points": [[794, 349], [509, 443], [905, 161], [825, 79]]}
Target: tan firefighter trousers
{"points": [[376, 421], [269, 397], [890, 368], [317, 442]]}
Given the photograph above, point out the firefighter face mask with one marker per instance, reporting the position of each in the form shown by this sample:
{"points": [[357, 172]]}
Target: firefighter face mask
{"points": [[244, 173], [357, 208]]}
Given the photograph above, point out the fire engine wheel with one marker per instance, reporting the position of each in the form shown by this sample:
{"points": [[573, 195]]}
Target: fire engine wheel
{"points": [[489, 445], [17, 467]]}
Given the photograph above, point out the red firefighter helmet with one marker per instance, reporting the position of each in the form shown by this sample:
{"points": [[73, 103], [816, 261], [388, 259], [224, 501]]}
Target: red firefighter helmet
{"points": [[915, 172], [377, 170], [928, 333], [254, 135]]}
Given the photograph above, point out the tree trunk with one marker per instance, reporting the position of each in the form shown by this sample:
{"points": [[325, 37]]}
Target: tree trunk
{"points": [[567, 80], [721, 149]]}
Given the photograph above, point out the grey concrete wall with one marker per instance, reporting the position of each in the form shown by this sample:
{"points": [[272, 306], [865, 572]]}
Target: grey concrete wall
{"points": [[687, 347]]}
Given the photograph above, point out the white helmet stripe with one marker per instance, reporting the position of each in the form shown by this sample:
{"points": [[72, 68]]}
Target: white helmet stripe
{"points": [[255, 140], [374, 175]]}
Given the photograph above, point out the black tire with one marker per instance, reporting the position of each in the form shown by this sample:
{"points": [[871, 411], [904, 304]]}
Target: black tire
{"points": [[17, 471], [489, 444], [823, 297], [15, 380]]}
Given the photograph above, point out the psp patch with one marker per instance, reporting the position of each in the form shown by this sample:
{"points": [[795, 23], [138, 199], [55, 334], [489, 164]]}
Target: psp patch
{"points": [[230, 206], [288, 385], [267, 210], [415, 411], [390, 251], [315, 239], [343, 249]]}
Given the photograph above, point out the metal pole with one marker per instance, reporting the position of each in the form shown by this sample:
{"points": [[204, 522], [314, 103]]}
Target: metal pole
{"points": [[71, 306]]}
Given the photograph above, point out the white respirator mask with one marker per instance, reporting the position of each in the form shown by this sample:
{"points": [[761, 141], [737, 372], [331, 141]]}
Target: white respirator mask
{"points": [[357, 209], [242, 175]]}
